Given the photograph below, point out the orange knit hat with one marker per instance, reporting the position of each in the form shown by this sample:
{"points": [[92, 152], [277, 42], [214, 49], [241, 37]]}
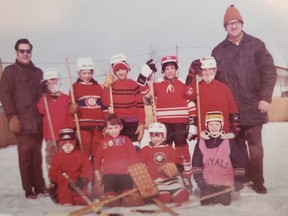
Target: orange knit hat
{"points": [[232, 13]]}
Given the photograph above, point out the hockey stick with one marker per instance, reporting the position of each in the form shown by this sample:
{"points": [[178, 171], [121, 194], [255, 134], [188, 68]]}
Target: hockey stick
{"points": [[50, 122], [198, 79], [111, 100], [87, 209], [73, 101], [177, 205], [81, 193]]}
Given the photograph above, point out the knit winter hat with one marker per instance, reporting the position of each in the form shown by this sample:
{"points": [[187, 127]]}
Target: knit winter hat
{"points": [[232, 13], [120, 65]]}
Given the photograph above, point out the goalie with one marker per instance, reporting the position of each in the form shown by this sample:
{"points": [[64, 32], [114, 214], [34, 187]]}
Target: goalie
{"points": [[163, 165]]}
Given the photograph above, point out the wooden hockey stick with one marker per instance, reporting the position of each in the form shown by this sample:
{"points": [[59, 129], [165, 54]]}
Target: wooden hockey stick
{"points": [[50, 121], [73, 101], [177, 205], [153, 101], [81, 193], [87, 209], [198, 79]]}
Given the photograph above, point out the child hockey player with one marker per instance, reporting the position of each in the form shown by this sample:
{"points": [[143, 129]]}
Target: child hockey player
{"points": [[217, 162], [163, 165], [113, 156], [127, 101], [76, 165], [88, 106], [215, 95], [53, 106], [172, 109]]}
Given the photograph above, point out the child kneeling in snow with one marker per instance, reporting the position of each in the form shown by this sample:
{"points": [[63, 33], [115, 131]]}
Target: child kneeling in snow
{"points": [[163, 165], [217, 163], [113, 156], [75, 164]]}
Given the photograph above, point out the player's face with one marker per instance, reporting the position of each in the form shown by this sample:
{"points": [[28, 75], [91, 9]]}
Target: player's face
{"points": [[170, 71], [157, 138], [53, 85], [113, 130], [214, 126], [121, 74], [67, 146], [86, 75]]}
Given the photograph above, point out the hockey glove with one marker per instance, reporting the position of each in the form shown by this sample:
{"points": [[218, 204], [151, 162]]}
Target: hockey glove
{"points": [[235, 123], [145, 72], [73, 108], [44, 87], [152, 65], [109, 79], [53, 192], [80, 183], [15, 124], [238, 185], [169, 169], [192, 128]]}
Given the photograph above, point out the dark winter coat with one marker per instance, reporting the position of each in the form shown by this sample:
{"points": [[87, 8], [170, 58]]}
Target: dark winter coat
{"points": [[249, 70], [19, 94]]}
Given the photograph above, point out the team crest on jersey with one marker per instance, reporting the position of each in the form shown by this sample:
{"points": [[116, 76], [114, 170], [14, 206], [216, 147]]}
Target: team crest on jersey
{"points": [[110, 143], [159, 157], [89, 101]]}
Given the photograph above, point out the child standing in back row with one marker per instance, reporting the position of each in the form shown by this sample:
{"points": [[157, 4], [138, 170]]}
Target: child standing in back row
{"points": [[124, 96]]}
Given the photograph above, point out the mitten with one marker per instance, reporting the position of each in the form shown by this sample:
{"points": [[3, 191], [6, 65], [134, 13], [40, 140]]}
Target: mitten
{"points": [[145, 72], [15, 124], [140, 131], [238, 185], [81, 183], [53, 192], [206, 191], [169, 169], [234, 123], [73, 108], [192, 128], [109, 79]]}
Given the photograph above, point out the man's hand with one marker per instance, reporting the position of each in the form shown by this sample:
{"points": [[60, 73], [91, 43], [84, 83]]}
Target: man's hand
{"points": [[15, 124], [263, 106], [140, 131]]}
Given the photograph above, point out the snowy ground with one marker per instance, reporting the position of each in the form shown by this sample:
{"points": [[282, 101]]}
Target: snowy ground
{"points": [[275, 136]]}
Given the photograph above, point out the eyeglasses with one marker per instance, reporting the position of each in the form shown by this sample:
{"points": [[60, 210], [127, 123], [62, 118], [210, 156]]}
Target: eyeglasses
{"points": [[234, 23], [22, 51]]}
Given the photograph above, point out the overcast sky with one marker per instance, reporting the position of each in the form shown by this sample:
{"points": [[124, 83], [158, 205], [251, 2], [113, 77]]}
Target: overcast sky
{"points": [[101, 28]]}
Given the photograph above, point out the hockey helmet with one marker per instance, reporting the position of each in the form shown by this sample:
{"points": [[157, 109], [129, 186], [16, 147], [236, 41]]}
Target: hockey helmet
{"points": [[169, 59], [85, 63], [208, 62], [120, 57], [157, 127], [50, 73]]}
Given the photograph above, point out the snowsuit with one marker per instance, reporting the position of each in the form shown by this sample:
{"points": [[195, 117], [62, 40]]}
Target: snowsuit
{"points": [[76, 164], [91, 114], [216, 96], [127, 104], [216, 164], [173, 111], [19, 95], [113, 157], [169, 188], [60, 118], [249, 71]]}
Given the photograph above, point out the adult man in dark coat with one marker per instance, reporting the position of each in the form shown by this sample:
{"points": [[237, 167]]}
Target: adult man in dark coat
{"points": [[19, 94], [247, 67]]}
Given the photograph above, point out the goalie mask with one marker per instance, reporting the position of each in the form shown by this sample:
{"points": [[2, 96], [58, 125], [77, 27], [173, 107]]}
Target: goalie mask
{"points": [[214, 122]]}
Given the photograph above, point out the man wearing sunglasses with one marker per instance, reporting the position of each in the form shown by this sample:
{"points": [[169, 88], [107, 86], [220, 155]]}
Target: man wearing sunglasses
{"points": [[19, 94]]}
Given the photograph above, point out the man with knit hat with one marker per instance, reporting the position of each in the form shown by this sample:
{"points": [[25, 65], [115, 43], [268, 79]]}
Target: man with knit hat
{"points": [[247, 67]]}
